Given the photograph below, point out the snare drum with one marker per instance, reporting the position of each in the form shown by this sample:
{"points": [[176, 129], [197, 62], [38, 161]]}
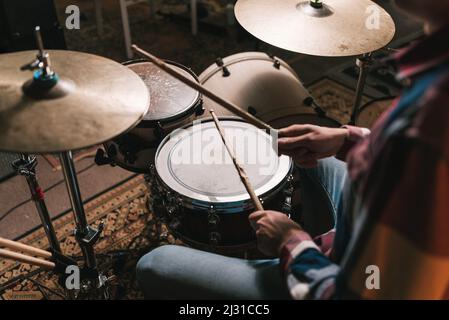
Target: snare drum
{"points": [[263, 85], [369, 113], [196, 187], [173, 105]]}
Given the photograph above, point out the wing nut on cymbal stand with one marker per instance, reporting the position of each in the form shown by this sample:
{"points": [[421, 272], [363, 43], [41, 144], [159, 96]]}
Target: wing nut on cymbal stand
{"points": [[45, 83]]}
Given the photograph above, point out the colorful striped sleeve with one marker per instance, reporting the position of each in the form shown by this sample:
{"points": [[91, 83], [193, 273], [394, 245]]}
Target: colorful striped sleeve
{"points": [[405, 231], [402, 234]]}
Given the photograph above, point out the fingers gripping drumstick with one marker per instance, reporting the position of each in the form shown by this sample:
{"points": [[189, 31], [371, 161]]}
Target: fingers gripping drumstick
{"points": [[241, 171]]}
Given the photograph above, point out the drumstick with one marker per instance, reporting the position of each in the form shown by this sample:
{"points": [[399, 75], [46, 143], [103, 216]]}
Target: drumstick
{"points": [[17, 246], [6, 254], [195, 85], [241, 171]]}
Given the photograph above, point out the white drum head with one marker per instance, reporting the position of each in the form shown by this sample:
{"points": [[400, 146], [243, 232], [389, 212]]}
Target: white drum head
{"points": [[194, 162], [170, 97]]}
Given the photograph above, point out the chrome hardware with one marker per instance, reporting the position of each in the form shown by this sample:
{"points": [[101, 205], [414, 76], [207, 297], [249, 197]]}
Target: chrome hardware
{"points": [[212, 218], [288, 193], [214, 237], [219, 62], [174, 223]]}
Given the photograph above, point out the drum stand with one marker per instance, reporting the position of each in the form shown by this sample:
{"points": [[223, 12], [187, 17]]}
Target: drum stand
{"points": [[94, 283], [26, 166], [364, 64]]}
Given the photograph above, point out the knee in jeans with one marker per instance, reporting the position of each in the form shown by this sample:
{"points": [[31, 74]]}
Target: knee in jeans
{"points": [[150, 265]]}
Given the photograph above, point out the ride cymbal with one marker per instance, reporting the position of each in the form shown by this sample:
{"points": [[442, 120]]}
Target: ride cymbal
{"points": [[333, 28]]}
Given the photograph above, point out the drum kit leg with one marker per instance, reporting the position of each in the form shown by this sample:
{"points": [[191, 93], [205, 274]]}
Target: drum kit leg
{"points": [[85, 235], [26, 166]]}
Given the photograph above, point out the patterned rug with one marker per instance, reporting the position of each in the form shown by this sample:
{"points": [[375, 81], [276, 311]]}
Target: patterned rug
{"points": [[335, 98], [129, 226]]}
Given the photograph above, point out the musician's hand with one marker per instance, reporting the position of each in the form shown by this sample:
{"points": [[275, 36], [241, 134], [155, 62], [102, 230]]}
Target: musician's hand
{"points": [[307, 144], [273, 229]]}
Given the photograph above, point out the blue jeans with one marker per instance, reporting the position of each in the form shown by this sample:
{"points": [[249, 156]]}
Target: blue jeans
{"points": [[175, 272]]}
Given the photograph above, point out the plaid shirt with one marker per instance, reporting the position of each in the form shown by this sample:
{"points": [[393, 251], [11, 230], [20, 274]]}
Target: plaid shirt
{"points": [[395, 220]]}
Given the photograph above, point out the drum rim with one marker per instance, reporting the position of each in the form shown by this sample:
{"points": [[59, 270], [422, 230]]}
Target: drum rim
{"points": [[313, 113], [369, 103], [252, 56], [385, 98], [242, 202], [153, 123]]}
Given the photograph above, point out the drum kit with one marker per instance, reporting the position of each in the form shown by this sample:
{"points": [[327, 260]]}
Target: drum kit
{"points": [[146, 113]]}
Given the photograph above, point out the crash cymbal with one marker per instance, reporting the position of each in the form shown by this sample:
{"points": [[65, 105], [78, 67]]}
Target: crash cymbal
{"points": [[338, 28], [95, 100]]}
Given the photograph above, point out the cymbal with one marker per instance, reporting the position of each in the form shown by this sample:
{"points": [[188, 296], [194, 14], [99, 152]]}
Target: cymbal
{"points": [[340, 28], [101, 100]]}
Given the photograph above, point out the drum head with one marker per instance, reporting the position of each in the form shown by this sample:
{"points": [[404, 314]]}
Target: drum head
{"points": [[171, 98], [194, 162]]}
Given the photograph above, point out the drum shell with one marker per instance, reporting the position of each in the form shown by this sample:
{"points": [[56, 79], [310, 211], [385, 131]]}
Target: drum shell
{"points": [[192, 225], [259, 83], [135, 149]]}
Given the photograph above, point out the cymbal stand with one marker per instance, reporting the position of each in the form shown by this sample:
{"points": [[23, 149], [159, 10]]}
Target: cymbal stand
{"points": [[42, 85], [26, 166], [364, 64], [85, 235]]}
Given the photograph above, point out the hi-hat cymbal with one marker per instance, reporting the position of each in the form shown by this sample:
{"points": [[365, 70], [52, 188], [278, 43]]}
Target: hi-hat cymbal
{"points": [[339, 28], [100, 99]]}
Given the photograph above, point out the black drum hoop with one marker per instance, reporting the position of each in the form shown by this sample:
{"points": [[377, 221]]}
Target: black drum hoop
{"points": [[369, 103]]}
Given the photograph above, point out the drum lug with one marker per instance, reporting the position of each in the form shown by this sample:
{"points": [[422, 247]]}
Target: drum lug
{"points": [[112, 153], [214, 238], [220, 63], [127, 149], [212, 218], [152, 172], [199, 111], [155, 200], [252, 110], [173, 204], [276, 62], [174, 223], [308, 101], [159, 131], [130, 157], [175, 210], [101, 158], [288, 193]]}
